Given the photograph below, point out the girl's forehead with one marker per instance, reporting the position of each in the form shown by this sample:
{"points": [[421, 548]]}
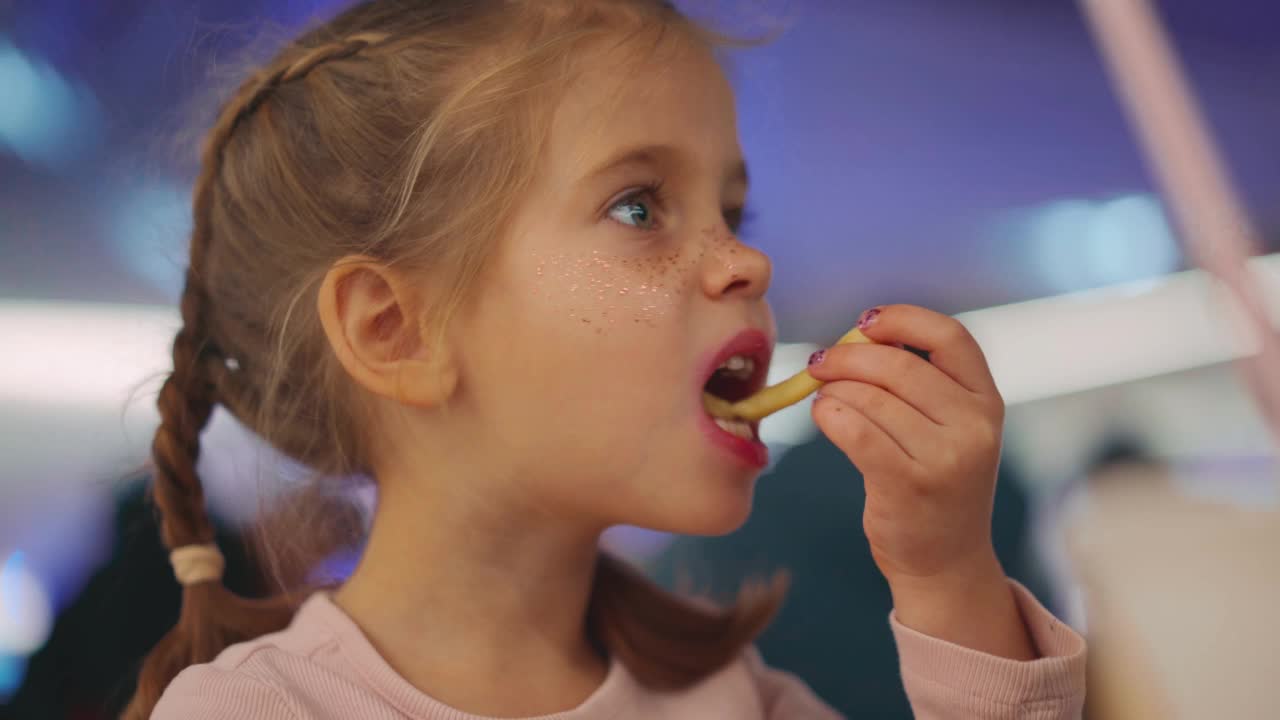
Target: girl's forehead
{"points": [[676, 98]]}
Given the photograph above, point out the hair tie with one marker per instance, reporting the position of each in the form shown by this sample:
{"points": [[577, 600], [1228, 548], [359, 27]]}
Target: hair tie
{"points": [[197, 563]]}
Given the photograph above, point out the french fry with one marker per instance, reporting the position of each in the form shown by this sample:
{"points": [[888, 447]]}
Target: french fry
{"points": [[775, 397]]}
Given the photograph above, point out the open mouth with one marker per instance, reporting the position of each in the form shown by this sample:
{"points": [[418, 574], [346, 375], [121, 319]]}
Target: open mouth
{"points": [[741, 371]]}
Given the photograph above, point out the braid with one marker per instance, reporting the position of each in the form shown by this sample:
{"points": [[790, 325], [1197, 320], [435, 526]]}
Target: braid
{"points": [[267, 84], [212, 617], [186, 401], [199, 369]]}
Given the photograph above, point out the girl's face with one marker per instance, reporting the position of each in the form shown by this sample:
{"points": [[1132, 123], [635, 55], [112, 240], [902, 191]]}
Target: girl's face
{"points": [[620, 288]]}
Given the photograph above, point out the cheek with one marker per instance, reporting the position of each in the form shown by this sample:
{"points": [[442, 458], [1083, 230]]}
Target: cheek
{"points": [[596, 293], [592, 320], [606, 330]]}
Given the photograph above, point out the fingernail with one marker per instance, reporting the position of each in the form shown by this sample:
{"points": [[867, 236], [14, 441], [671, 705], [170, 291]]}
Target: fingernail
{"points": [[868, 317], [816, 358]]}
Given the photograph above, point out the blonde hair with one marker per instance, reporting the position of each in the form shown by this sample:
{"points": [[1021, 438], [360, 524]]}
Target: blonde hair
{"points": [[402, 130]]}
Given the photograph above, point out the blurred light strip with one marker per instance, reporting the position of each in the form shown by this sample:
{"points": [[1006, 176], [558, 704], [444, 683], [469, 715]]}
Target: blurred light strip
{"points": [[1081, 341], [91, 356], [82, 355]]}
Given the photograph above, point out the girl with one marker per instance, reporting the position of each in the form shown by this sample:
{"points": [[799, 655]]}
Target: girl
{"points": [[483, 252]]}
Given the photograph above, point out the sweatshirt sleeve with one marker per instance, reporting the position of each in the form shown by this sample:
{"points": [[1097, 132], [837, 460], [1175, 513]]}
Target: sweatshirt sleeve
{"points": [[785, 696], [945, 681], [204, 692]]}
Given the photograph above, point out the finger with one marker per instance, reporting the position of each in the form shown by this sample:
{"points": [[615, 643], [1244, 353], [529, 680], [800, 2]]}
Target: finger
{"points": [[858, 436], [951, 347], [905, 425], [918, 383]]}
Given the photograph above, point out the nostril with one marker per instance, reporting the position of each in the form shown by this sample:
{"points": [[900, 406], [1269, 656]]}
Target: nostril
{"points": [[737, 283]]}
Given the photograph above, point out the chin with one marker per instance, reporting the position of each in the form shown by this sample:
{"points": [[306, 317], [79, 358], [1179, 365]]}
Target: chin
{"points": [[706, 513], [720, 523]]}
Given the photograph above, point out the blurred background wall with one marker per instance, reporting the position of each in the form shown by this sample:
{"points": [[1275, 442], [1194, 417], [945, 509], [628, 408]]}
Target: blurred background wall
{"points": [[967, 155]]}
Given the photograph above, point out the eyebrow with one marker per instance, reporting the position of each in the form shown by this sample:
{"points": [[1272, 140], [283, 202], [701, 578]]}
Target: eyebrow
{"points": [[653, 155]]}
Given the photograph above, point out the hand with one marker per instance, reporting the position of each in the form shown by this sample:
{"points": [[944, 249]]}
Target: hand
{"points": [[926, 436]]}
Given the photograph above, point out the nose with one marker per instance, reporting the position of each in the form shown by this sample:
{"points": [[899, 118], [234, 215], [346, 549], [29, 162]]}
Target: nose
{"points": [[735, 268]]}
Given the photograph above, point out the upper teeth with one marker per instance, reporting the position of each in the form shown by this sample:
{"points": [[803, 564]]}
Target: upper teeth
{"points": [[739, 365]]}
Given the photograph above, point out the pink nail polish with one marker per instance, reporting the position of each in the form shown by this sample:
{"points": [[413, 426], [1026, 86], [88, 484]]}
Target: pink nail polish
{"points": [[868, 318], [816, 358]]}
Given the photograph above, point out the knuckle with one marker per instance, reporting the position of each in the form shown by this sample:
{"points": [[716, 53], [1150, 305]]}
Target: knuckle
{"points": [[852, 392], [956, 333], [948, 459], [918, 484], [916, 475], [985, 427], [838, 389], [995, 438], [859, 430], [989, 437], [998, 408], [984, 439], [870, 398], [841, 357], [992, 399], [905, 364]]}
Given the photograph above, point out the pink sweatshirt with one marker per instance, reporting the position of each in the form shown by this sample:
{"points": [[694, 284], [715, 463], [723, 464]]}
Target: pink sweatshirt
{"points": [[322, 666]]}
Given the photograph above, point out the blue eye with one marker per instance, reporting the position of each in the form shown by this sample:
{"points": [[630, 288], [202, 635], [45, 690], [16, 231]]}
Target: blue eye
{"points": [[638, 209], [633, 212]]}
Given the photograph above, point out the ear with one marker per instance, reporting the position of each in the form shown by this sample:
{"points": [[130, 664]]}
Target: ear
{"points": [[371, 318]]}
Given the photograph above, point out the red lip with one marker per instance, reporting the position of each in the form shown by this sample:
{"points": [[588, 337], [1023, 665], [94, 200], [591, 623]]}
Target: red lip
{"points": [[757, 345]]}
